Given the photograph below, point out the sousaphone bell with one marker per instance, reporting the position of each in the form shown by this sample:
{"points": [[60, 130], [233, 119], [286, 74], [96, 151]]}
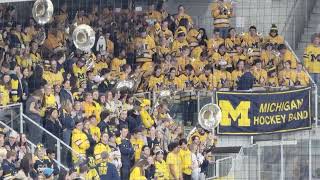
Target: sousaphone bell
{"points": [[209, 116], [83, 37], [42, 11]]}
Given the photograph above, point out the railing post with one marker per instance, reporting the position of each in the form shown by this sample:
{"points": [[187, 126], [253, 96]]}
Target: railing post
{"points": [[58, 152], [217, 169], [310, 157], [21, 118], [316, 105], [11, 118], [282, 175]]}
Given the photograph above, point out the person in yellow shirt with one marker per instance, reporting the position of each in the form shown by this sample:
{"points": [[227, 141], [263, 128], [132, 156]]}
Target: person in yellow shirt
{"points": [[94, 129], [79, 142], [287, 76], [137, 143], [207, 80], [153, 14], [117, 62], [53, 76], [4, 90], [222, 57], [184, 59], [34, 54], [274, 38], [287, 55], [162, 171], [232, 41], [146, 119], [88, 105], [302, 78], [273, 80], [222, 11], [102, 146], [223, 76], [145, 46], [101, 63], [49, 99], [269, 57], [109, 45], [199, 64], [165, 32], [189, 79], [79, 71], [239, 56], [156, 80], [178, 43], [215, 42], [174, 161], [237, 73], [92, 172], [186, 162], [261, 76], [253, 41], [172, 82], [312, 58], [182, 15], [138, 170]]}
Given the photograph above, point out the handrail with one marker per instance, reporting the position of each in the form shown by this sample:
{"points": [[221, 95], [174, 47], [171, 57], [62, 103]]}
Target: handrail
{"points": [[33, 146], [55, 137], [10, 105]]}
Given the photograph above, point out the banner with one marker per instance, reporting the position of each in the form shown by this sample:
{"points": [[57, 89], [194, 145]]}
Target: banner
{"points": [[247, 113]]}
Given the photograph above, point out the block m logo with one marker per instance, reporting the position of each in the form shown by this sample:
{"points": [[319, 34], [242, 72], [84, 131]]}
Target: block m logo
{"points": [[240, 113]]}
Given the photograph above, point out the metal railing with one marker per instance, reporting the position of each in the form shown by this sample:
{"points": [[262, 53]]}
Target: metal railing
{"points": [[32, 145], [20, 122]]}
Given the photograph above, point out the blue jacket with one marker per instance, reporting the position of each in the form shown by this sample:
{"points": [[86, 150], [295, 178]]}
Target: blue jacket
{"points": [[127, 152], [107, 171]]}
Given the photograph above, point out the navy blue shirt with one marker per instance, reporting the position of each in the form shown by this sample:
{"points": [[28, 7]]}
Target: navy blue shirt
{"points": [[107, 171], [246, 81]]}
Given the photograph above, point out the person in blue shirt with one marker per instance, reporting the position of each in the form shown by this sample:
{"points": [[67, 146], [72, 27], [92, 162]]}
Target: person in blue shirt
{"points": [[107, 170], [246, 81], [127, 153]]}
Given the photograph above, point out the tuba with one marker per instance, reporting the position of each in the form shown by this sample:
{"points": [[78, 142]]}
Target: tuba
{"points": [[83, 37], [209, 116], [42, 11]]}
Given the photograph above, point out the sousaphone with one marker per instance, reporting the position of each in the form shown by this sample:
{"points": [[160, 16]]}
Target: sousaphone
{"points": [[42, 11], [83, 37], [209, 116]]}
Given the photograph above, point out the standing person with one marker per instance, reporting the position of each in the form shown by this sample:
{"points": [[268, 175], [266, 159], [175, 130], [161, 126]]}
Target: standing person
{"points": [[312, 58], [174, 162], [138, 170], [127, 153], [115, 154], [162, 171], [247, 79], [54, 126], [107, 170], [67, 121], [186, 160], [221, 12], [79, 142], [33, 111]]}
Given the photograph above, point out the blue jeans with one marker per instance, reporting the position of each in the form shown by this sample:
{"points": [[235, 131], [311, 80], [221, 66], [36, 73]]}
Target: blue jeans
{"points": [[223, 32]]}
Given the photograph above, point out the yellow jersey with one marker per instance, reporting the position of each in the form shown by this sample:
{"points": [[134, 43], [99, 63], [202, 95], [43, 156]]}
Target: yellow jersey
{"points": [[261, 76], [176, 162], [80, 74], [302, 78], [155, 83], [288, 56], [287, 77], [208, 82], [223, 78], [312, 58], [136, 174], [98, 149], [116, 64], [186, 162], [235, 76], [162, 171], [221, 19], [4, 96], [273, 82], [173, 84], [137, 146]]}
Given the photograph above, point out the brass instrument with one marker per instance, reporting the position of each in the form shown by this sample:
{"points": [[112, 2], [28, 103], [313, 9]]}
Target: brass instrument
{"points": [[83, 37], [209, 116], [42, 11]]}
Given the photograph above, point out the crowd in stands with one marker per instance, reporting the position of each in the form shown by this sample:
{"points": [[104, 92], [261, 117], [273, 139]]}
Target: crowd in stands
{"points": [[74, 95]]}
